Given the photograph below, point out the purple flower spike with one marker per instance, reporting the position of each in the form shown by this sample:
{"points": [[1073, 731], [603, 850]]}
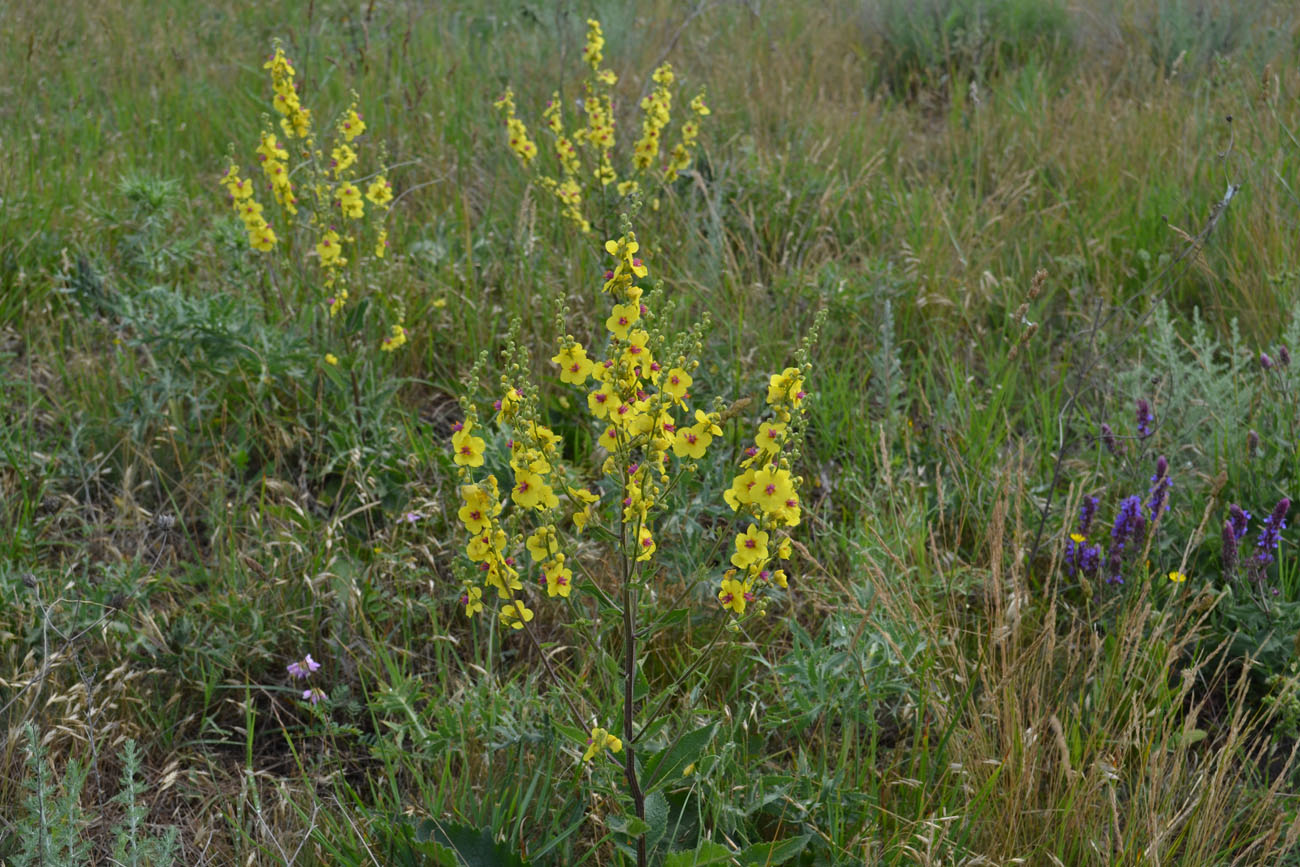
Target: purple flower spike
{"points": [[1159, 489], [1144, 418], [1229, 550], [1265, 362], [1283, 356], [1239, 519], [1108, 438], [1087, 512], [1130, 526], [1271, 533]]}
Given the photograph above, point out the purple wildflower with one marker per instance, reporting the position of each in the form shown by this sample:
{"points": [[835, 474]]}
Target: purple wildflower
{"points": [[1159, 489], [1144, 418], [301, 669], [1108, 437], [313, 695], [1229, 555], [1087, 512], [1080, 556], [1130, 526], [1239, 519], [1284, 356], [1271, 533], [1265, 362]]}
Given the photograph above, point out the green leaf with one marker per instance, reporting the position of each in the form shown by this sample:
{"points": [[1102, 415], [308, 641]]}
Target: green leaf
{"points": [[473, 848], [687, 749], [707, 855], [656, 816], [629, 825], [764, 854]]}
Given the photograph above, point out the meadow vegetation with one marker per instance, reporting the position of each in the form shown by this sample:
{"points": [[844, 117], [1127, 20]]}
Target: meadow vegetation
{"points": [[351, 524]]}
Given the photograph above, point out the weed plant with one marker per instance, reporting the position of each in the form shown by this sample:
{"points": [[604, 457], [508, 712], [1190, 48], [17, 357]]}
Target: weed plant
{"points": [[232, 521]]}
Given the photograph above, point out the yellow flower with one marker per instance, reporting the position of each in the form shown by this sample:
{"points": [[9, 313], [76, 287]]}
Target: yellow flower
{"points": [[592, 52], [622, 317], [751, 548], [1177, 577], [468, 449], [601, 740], [786, 387], [587, 499], [381, 247], [575, 367], [604, 402], [262, 239], [772, 488], [380, 191], [645, 544], [734, 595], [352, 125], [541, 543], [741, 490], [330, 249], [1078, 538], [472, 599], [349, 199], [515, 615], [342, 157], [559, 578], [691, 442], [531, 492], [331, 358], [676, 382], [396, 339]]}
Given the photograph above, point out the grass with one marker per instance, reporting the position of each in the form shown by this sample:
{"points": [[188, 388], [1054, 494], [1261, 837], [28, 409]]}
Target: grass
{"points": [[192, 497]]}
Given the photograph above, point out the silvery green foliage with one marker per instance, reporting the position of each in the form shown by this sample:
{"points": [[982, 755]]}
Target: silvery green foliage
{"points": [[50, 834], [53, 830], [132, 846], [886, 373], [1203, 393]]}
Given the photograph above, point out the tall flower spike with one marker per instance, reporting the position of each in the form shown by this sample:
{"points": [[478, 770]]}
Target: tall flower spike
{"points": [[1144, 418]]}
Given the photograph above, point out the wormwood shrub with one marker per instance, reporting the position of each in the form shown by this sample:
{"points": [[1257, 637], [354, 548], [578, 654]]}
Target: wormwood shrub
{"points": [[527, 559], [52, 829], [931, 41], [587, 181]]}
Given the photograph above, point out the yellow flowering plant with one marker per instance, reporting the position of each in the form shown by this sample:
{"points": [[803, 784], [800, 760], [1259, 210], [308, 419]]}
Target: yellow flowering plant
{"points": [[541, 538], [583, 168], [318, 217]]}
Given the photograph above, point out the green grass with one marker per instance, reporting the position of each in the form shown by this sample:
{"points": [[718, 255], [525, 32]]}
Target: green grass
{"points": [[191, 497]]}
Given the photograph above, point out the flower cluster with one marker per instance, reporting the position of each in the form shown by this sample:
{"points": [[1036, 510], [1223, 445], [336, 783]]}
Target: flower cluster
{"points": [[1080, 557], [294, 119], [1144, 419], [1271, 534], [1159, 491], [516, 132], [650, 432], [329, 190], [1128, 530], [768, 492], [584, 154], [303, 669], [260, 234]]}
